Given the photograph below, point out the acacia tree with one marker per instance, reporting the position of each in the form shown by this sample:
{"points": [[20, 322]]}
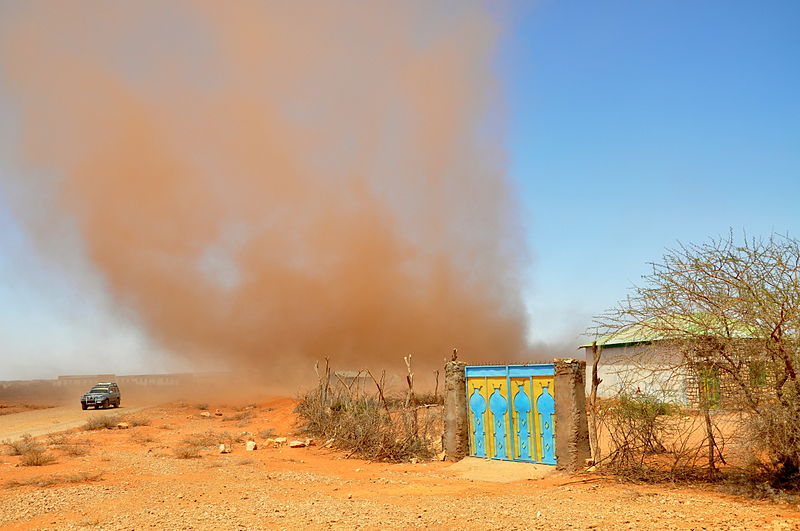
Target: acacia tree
{"points": [[731, 308]]}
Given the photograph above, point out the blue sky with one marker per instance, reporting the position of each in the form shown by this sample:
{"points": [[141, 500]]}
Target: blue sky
{"points": [[633, 125], [630, 126]]}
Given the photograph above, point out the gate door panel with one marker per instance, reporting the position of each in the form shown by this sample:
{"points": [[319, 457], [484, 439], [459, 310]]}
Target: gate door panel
{"points": [[512, 412]]}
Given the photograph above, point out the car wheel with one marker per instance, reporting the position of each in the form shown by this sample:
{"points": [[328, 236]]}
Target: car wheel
{"points": [[105, 403], [116, 404], [84, 406]]}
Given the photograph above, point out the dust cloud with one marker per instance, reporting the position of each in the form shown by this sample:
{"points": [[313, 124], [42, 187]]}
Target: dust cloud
{"points": [[271, 182]]}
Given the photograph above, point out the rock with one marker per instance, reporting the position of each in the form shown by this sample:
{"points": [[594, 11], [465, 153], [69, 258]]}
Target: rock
{"points": [[269, 442], [309, 442], [205, 414], [414, 460], [297, 444], [279, 441], [441, 456], [250, 446], [329, 443], [218, 413], [123, 426], [224, 449]]}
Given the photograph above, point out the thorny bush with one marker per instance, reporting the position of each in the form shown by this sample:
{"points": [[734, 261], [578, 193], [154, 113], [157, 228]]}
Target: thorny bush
{"points": [[369, 428]]}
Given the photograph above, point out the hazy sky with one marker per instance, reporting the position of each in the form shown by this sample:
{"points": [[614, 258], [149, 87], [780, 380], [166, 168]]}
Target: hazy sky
{"points": [[629, 126]]}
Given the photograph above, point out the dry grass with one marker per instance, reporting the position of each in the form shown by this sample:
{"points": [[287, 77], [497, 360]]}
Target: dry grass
{"points": [[74, 450], [136, 421], [210, 438], [37, 457], [187, 452], [58, 439], [56, 479], [267, 434], [20, 446], [101, 422], [241, 416], [139, 438], [202, 406]]}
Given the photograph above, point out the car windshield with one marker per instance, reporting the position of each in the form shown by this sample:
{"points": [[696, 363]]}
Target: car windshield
{"points": [[99, 390]]}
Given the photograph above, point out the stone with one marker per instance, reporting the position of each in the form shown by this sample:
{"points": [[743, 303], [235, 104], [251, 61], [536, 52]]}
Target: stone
{"points": [[297, 444], [280, 441], [224, 449], [441, 456], [309, 442], [205, 414], [329, 443], [269, 442], [123, 426], [414, 460], [250, 446], [218, 413]]}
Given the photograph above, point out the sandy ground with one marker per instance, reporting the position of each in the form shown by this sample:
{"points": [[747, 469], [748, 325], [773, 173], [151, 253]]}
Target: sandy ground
{"points": [[132, 479], [52, 420]]}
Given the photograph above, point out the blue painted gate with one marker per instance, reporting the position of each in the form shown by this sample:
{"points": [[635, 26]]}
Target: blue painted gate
{"points": [[512, 412]]}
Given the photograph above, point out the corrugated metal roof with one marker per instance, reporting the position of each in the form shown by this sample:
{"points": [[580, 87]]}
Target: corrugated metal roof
{"points": [[673, 327]]}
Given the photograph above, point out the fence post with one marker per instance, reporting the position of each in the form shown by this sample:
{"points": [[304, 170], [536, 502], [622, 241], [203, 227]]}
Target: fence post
{"points": [[572, 430], [456, 435]]}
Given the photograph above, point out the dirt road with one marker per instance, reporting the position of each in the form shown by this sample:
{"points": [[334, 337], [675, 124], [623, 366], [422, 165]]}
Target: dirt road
{"points": [[51, 420], [169, 474]]}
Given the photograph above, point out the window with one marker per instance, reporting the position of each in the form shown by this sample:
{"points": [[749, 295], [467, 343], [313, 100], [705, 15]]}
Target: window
{"points": [[708, 378], [758, 373]]}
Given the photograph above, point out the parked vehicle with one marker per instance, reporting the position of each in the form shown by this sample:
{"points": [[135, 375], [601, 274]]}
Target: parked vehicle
{"points": [[102, 395]]}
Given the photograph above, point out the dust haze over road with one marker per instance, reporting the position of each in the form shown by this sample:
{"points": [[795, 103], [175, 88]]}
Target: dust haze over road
{"points": [[264, 183]]}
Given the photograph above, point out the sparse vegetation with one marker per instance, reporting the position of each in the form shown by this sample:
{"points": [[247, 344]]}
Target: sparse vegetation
{"points": [[187, 452], [37, 456], [139, 438], [267, 433], [56, 479], [20, 446], [203, 406], [731, 309], [241, 416], [136, 421], [210, 438], [101, 422], [368, 426]]}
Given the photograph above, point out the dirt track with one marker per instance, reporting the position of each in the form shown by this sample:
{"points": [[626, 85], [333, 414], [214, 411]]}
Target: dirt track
{"points": [[51, 420], [142, 484]]}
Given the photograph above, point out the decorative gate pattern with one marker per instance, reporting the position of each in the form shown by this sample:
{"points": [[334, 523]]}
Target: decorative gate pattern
{"points": [[512, 412]]}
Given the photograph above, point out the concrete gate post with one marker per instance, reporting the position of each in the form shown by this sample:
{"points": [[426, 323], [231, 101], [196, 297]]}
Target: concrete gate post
{"points": [[456, 426], [572, 429]]}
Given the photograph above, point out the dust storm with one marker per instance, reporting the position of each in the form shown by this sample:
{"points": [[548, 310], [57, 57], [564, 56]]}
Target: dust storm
{"points": [[275, 182]]}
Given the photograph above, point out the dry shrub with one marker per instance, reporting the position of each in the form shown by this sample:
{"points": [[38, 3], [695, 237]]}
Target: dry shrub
{"points": [[74, 450], [58, 439], [651, 440], [368, 428], [166, 427], [241, 416], [187, 452], [56, 479], [202, 406], [20, 446], [101, 422], [210, 438], [268, 433], [136, 421], [774, 442], [139, 438], [37, 457]]}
